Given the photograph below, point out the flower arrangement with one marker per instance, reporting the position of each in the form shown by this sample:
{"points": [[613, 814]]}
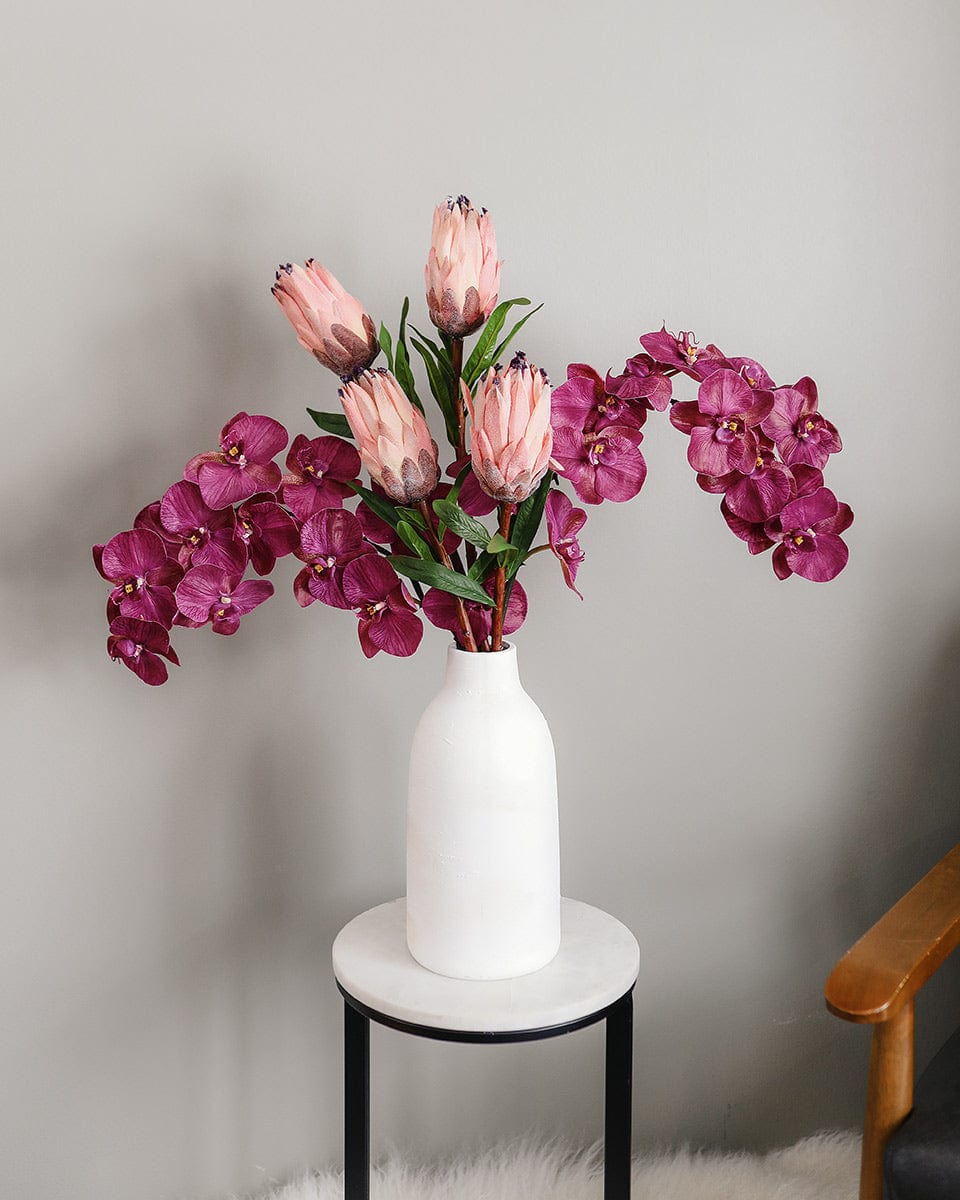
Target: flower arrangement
{"points": [[414, 544]]}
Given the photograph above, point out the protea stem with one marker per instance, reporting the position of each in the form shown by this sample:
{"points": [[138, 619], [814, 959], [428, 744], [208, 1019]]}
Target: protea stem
{"points": [[466, 635], [457, 356], [500, 585]]}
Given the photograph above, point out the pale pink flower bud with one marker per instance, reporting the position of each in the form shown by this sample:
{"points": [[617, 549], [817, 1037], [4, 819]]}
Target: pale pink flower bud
{"points": [[462, 272], [511, 438], [330, 323], [392, 436]]}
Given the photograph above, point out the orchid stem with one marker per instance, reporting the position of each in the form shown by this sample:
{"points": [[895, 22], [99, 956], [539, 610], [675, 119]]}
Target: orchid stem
{"points": [[469, 642], [500, 587]]}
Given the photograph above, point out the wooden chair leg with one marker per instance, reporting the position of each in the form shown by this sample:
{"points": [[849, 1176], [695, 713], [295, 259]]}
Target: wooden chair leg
{"points": [[889, 1095]]}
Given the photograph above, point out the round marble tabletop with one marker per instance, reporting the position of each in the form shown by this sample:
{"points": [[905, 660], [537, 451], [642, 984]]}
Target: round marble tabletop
{"points": [[598, 962]]}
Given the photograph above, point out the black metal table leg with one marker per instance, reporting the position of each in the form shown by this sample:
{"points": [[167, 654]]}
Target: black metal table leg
{"points": [[356, 1104], [618, 1100]]}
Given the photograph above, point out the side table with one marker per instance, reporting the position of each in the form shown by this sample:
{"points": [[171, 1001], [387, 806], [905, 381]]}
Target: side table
{"points": [[591, 979]]}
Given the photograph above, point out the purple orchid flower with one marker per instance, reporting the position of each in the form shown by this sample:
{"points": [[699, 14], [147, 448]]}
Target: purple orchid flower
{"points": [[139, 645], [321, 470], [136, 563], [210, 594], [721, 423], [243, 465], [641, 380], [564, 522], [388, 619], [808, 531], [584, 404], [204, 536], [329, 540], [602, 465], [802, 435], [752, 373], [472, 499], [757, 494], [440, 609], [803, 481], [681, 352], [267, 531]]}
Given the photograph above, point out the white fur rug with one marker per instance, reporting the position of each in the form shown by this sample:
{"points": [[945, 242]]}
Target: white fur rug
{"points": [[824, 1167]]}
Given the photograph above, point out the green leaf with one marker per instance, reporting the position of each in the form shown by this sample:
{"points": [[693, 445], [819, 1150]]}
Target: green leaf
{"points": [[435, 575], [454, 493], [481, 568], [414, 516], [332, 423], [444, 362], [525, 525], [386, 344], [382, 508], [510, 336], [498, 544], [405, 375], [440, 389], [491, 331], [411, 538], [467, 527]]}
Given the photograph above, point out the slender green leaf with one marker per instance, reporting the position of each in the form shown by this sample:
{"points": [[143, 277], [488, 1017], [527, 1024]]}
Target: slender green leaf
{"points": [[386, 344], [512, 334], [491, 331], [441, 391], [332, 423], [498, 544], [467, 527], [525, 525], [377, 505], [405, 375], [402, 335], [454, 493], [444, 362], [414, 516], [411, 538], [435, 575]]}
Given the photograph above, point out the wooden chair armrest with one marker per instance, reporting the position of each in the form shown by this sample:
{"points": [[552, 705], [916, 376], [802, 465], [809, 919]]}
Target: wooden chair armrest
{"points": [[890, 963]]}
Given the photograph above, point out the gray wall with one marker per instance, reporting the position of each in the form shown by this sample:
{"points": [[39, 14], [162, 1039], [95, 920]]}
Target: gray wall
{"points": [[750, 770]]}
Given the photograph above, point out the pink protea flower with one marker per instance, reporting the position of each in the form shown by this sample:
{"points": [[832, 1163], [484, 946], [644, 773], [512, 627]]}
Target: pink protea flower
{"points": [[320, 469], [564, 522], [204, 536], [387, 615], [605, 464], [328, 541], [808, 531], [801, 433], [144, 577], [244, 463], [266, 531], [440, 609], [511, 438], [210, 594], [721, 422], [392, 436], [330, 323], [139, 645], [462, 274]]}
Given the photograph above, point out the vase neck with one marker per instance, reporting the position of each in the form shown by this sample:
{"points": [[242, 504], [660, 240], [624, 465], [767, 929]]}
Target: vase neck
{"points": [[496, 671]]}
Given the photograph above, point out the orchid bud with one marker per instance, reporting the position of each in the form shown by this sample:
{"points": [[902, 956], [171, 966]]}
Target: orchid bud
{"points": [[511, 438], [330, 323], [462, 272], [392, 437]]}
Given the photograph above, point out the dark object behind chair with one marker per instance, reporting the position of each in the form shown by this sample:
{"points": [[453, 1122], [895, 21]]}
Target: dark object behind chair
{"points": [[876, 982]]}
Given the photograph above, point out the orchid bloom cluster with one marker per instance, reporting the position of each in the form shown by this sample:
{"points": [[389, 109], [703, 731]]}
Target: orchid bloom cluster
{"points": [[411, 543]]}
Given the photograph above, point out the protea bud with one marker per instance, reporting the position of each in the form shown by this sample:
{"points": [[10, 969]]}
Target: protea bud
{"points": [[462, 272], [330, 323], [392, 437], [511, 438]]}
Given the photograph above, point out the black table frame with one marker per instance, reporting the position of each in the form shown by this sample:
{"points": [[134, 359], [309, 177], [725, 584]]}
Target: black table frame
{"points": [[618, 1083]]}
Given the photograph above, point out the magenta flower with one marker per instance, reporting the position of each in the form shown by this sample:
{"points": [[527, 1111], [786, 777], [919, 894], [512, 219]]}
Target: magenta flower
{"points": [[210, 594], [139, 645], [752, 373], [472, 499], [801, 433], [136, 563], [641, 380], [267, 531], [320, 469], [758, 494], [751, 532], [605, 465], [721, 422], [808, 531], [584, 403], [681, 352], [440, 609], [204, 536], [564, 522], [388, 619], [243, 465], [328, 541]]}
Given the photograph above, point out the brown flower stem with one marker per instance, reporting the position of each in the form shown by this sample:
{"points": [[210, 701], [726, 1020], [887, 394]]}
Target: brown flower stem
{"points": [[500, 585], [469, 642], [457, 356]]}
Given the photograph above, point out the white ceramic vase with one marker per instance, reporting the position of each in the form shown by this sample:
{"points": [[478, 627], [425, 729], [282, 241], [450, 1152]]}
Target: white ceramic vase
{"points": [[483, 845]]}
